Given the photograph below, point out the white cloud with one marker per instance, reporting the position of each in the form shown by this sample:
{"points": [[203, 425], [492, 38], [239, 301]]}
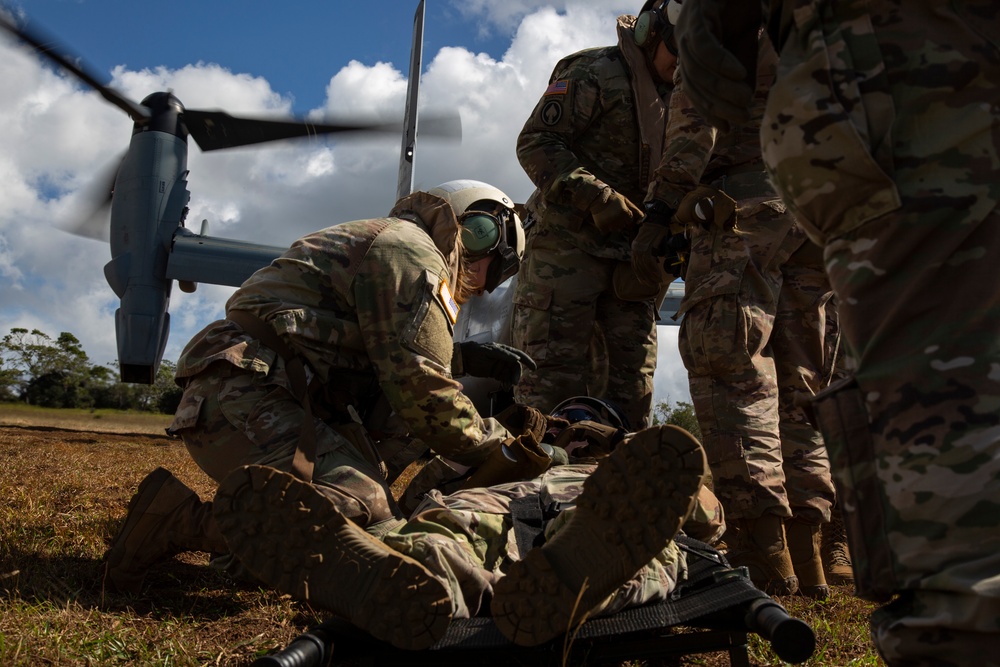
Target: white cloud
{"points": [[57, 137]]}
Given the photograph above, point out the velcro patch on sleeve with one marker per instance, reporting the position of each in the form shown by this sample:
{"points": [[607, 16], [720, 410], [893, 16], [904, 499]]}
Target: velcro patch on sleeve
{"points": [[558, 87], [450, 305]]}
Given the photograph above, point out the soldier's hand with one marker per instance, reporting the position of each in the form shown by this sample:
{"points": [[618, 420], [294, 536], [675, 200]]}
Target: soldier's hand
{"points": [[613, 212], [708, 208], [649, 247], [587, 439], [492, 360], [716, 57], [520, 419]]}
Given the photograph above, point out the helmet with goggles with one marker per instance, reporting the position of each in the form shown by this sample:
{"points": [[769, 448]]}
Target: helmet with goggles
{"points": [[489, 225], [587, 408]]}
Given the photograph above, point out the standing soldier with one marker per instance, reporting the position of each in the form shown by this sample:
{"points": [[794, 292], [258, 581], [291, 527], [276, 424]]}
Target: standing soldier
{"points": [[881, 134], [590, 147], [752, 337]]}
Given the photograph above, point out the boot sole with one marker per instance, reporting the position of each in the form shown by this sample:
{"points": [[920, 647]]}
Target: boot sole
{"points": [[630, 508], [292, 537], [137, 506]]}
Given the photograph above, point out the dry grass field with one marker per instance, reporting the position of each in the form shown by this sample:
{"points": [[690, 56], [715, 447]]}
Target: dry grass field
{"points": [[65, 480]]}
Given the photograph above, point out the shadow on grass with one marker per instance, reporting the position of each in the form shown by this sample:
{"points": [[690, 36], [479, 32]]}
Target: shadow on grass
{"points": [[172, 588]]}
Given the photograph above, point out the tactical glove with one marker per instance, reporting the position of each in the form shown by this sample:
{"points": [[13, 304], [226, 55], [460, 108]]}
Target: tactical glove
{"points": [[717, 44], [490, 360], [707, 208], [649, 248], [613, 212], [517, 459], [520, 419], [587, 439]]}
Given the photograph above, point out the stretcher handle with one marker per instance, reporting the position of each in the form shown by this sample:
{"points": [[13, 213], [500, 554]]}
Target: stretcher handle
{"points": [[791, 638], [310, 649]]}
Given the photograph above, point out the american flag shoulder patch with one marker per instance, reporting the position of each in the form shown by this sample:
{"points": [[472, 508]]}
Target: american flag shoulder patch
{"points": [[560, 87], [450, 305]]}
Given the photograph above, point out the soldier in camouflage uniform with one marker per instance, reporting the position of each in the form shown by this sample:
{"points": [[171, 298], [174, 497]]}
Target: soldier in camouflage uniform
{"points": [[752, 339], [457, 552], [349, 318], [881, 134], [590, 146]]}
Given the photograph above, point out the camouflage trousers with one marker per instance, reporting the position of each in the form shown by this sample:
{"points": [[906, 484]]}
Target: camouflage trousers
{"points": [[229, 418], [467, 540], [908, 215], [754, 338], [584, 338]]}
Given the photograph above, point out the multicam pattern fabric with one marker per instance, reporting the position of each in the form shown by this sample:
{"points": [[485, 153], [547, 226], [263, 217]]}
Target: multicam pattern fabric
{"points": [[881, 134], [754, 320], [581, 138], [466, 539], [363, 304]]}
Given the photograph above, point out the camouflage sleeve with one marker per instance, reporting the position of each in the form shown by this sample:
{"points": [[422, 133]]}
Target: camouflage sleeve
{"points": [[687, 148], [545, 144], [406, 315]]}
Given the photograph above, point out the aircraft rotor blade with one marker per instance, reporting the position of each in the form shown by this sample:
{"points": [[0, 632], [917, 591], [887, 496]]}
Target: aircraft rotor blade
{"points": [[214, 130], [47, 47], [96, 198]]}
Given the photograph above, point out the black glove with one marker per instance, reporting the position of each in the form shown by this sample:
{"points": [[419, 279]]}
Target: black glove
{"points": [[491, 360], [649, 246], [675, 261], [717, 44]]}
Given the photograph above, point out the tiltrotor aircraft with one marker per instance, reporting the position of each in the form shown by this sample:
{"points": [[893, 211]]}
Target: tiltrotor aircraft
{"points": [[151, 247]]}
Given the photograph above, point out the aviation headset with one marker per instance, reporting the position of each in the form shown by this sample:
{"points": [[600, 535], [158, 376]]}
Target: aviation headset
{"points": [[484, 233], [657, 19]]}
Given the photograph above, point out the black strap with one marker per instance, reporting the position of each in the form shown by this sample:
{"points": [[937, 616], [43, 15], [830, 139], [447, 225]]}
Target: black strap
{"points": [[529, 522]]}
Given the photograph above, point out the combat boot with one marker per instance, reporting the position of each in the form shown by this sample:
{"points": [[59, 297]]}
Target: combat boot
{"points": [[164, 518], [759, 545], [293, 537], [630, 508], [804, 548], [835, 553]]}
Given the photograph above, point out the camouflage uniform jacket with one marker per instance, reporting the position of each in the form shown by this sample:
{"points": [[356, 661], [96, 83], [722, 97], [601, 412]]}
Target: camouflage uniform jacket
{"points": [[583, 135], [367, 305], [695, 152]]}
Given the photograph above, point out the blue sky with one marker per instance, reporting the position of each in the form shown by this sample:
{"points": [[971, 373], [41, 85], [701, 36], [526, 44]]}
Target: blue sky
{"points": [[293, 45], [488, 61]]}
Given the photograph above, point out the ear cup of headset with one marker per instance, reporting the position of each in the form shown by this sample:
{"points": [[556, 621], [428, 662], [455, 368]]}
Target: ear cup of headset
{"points": [[480, 233]]}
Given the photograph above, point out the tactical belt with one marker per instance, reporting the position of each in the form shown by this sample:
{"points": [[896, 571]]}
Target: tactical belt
{"points": [[305, 450]]}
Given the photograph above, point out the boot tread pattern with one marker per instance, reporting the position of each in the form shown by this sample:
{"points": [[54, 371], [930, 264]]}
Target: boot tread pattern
{"points": [[630, 508], [291, 536]]}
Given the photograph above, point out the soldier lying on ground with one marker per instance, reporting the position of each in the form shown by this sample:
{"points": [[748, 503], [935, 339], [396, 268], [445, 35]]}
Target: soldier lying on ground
{"points": [[609, 547]]}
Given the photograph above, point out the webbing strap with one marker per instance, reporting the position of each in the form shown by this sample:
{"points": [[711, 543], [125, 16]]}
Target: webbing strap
{"points": [[304, 459], [528, 519]]}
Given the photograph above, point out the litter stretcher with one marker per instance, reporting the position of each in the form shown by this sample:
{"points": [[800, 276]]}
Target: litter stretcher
{"points": [[714, 609]]}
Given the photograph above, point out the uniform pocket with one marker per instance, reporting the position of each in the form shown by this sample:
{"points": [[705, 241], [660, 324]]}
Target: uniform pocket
{"points": [[531, 320], [826, 134]]}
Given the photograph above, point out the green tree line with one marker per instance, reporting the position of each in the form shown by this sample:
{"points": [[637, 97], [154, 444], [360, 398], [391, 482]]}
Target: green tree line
{"points": [[56, 373]]}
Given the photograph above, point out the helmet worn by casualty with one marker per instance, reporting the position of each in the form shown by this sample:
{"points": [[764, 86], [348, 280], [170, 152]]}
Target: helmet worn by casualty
{"points": [[593, 427], [489, 225], [587, 408]]}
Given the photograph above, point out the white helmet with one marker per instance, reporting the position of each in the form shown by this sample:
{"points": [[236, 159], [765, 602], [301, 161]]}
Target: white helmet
{"points": [[656, 21], [489, 225]]}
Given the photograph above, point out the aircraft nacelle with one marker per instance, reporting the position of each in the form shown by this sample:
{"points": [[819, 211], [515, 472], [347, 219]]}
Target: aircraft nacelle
{"points": [[148, 207]]}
